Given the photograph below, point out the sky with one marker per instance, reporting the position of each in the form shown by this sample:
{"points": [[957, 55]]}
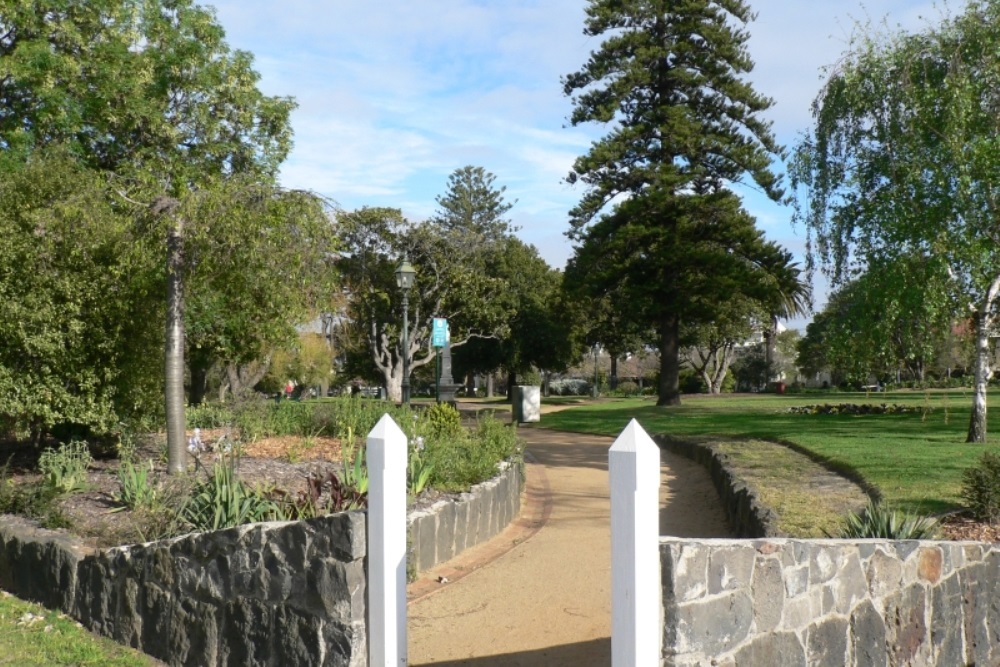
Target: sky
{"points": [[395, 95]]}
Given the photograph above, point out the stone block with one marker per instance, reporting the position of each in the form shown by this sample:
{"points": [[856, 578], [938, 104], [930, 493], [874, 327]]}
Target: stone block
{"points": [[461, 526], [730, 568], [868, 636], [796, 580], [850, 585], [823, 564], [445, 549], [906, 626], [485, 515], [690, 573], [975, 612], [341, 536], [884, 575], [768, 594], [797, 613], [247, 633], [425, 542], [778, 649], [946, 622], [826, 643], [297, 637], [714, 626]]}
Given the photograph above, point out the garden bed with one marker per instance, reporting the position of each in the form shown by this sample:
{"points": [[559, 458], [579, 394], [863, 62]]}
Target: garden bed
{"points": [[281, 476]]}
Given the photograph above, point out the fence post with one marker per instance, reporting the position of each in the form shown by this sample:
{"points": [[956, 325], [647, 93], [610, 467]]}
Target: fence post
{"points": [[634, 475], [387, 452]]}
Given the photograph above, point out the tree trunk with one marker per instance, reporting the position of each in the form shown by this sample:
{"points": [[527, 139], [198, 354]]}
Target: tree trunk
{"points": [[242, 379], [490, 390], [977, 421], [771, 348], [614, 371], [511, 383], [983, 322], [199, 363], [394, 383], [669, 390], [470, 384], [174, 353]]}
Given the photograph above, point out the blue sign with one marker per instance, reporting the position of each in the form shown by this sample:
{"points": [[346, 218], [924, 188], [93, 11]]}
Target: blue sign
{"points": [[439, 332]]}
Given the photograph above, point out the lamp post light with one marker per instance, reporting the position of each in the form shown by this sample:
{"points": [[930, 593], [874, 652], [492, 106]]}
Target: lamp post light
{"points": [[405, 275], [597, 350]]}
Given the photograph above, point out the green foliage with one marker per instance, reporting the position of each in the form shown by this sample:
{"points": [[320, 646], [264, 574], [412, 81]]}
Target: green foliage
{"points": [[35, 501], [450, 282], [880, 522], [220, 500], [136, 487], [899, 170], [355, 473], [55, 639], [441, 421], [682, 122], [470, 458], [981, 488], [418, 471], [75, 317], [628, 388], [64, 470]]}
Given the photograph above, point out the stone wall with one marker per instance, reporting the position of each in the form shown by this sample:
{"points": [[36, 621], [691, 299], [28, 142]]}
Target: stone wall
{"points": [[785, 603], [281, 593], [748, 516], [288, 593], [442, 531]]}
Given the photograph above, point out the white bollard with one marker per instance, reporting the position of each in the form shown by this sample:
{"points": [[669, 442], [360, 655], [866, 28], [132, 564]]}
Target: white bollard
{"points": [[387, 452], [634, 475]]}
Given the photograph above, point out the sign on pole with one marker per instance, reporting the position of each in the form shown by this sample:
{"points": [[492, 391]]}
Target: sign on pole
{"points": [[439, 332]]}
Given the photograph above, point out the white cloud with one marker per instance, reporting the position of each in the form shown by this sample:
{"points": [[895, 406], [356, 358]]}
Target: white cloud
{"points": [[393, 95]]}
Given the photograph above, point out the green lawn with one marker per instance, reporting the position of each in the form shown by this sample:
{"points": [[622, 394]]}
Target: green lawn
{"points": [[915, 460], [31, 636]]}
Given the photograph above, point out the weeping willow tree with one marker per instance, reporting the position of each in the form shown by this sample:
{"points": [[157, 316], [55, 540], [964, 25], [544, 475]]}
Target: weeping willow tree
{"points": [[903, 162]]}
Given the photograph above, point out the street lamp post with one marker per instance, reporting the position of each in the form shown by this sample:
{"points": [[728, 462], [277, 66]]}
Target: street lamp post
{"points": [[597, 350], [405, 274]]}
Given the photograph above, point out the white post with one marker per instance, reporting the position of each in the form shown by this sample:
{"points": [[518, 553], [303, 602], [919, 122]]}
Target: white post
{"points": [[387, 452], [634, 474]]}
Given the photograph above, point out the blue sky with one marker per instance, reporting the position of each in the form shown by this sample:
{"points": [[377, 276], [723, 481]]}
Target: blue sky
{"points": [[395, 95]]}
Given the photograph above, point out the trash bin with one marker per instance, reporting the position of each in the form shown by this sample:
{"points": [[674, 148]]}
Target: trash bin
{"points": [[527, 404]]}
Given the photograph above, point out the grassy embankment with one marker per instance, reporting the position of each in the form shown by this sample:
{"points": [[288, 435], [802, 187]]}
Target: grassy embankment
{"points": [[32, 636], [915, 461]]}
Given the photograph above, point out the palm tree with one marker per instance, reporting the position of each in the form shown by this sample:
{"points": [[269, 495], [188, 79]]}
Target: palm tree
{"points": [[788, 296]]}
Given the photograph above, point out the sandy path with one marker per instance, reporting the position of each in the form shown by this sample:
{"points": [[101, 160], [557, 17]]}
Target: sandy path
{"points": [[539, 594]]}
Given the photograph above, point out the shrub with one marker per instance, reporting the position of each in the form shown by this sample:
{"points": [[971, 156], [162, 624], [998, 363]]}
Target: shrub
{"points": [[465, 459], [221, 500], [136, 489], [628, 388], [879, 521], [35, 501], [64, 470], [441, 421], [981, 488]]}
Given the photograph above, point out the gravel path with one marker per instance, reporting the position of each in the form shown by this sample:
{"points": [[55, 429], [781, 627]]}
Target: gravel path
{"points": [[539, 594]]}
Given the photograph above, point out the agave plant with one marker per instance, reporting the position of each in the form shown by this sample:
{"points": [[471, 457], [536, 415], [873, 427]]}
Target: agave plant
{"points": [[879, 521]]}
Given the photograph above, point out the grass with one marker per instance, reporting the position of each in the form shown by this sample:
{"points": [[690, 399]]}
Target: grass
{"points": [[31, 635], [915, 461]]}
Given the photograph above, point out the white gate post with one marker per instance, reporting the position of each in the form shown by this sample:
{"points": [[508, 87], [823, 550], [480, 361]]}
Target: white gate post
{"points": [[634, 474], [387, 452]]}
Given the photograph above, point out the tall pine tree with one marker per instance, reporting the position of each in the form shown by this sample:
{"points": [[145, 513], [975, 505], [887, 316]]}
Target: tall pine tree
{"points": [[668, 80]]}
